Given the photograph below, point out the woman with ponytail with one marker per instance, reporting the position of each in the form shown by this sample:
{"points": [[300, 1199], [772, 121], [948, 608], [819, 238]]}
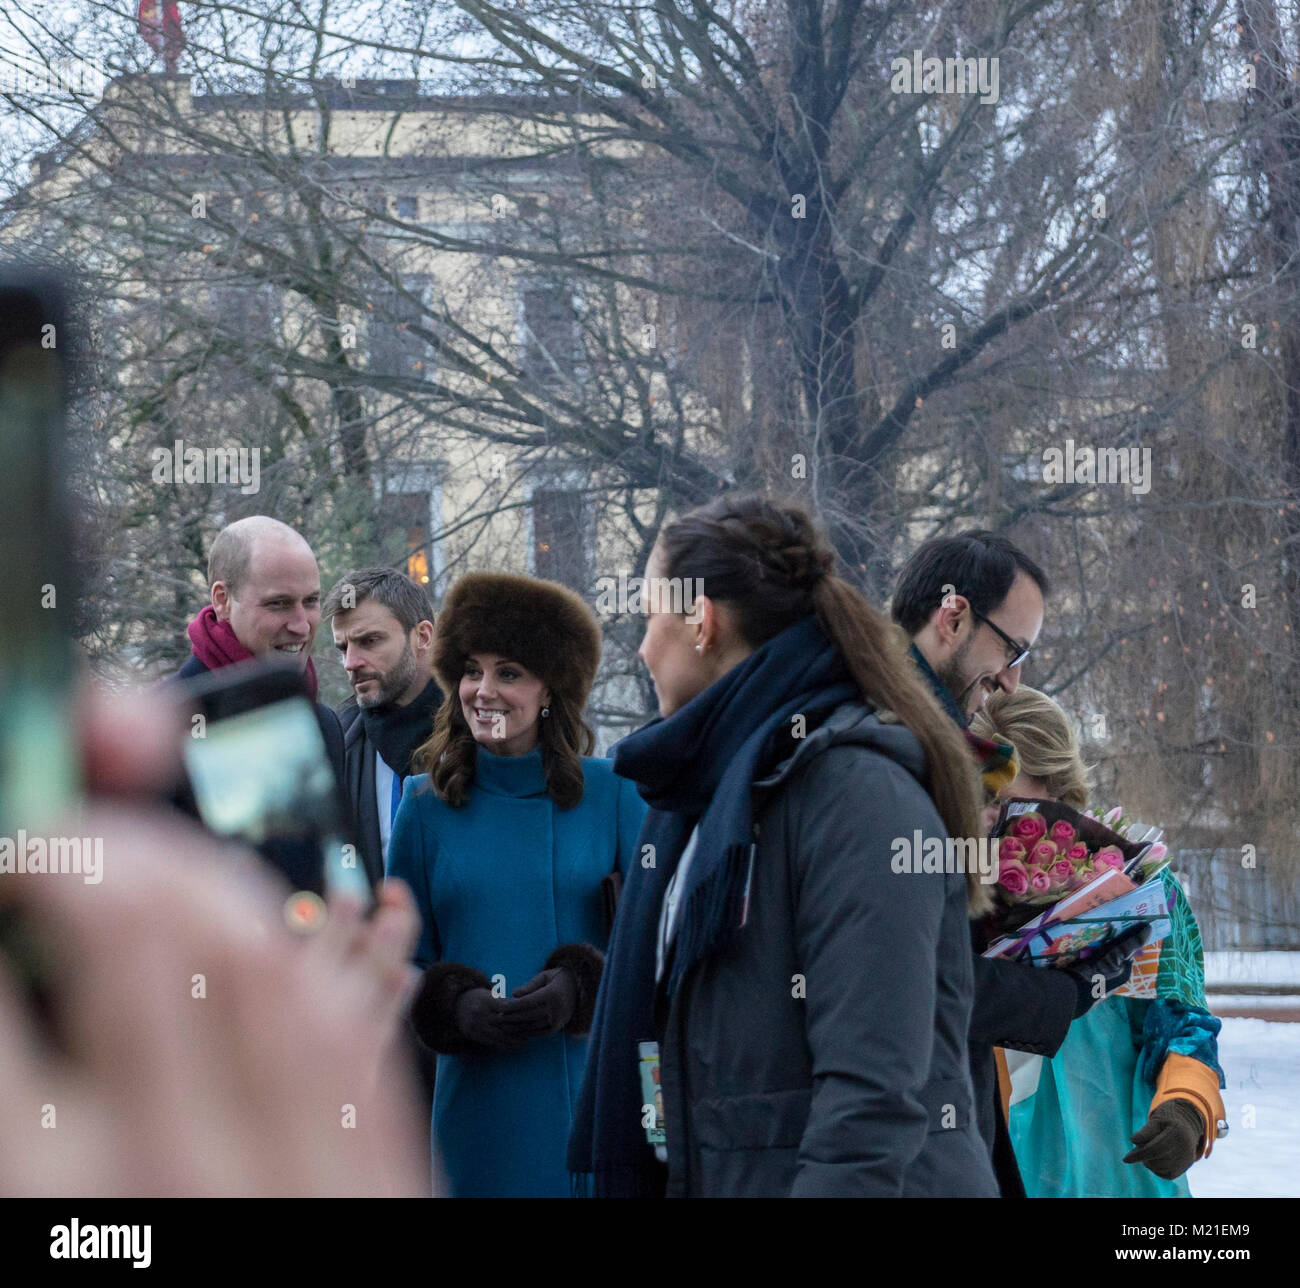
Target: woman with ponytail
{"points": [[785, 1005]]}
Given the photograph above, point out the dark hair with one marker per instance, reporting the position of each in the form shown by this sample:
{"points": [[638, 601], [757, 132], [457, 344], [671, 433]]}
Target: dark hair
{"points": [[407, 600], [450, 757], [540, 625], [771, 566], [977, 563]]}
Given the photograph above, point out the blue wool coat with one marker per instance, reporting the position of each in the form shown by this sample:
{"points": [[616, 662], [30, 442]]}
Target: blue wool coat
{"points": [[500, 884]]}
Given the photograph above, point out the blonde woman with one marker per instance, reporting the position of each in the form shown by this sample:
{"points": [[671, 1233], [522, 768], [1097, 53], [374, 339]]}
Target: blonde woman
{"points": [[1131, 1099]]}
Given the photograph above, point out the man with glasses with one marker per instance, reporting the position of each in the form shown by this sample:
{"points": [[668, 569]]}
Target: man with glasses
{"points": [[972, 605]]}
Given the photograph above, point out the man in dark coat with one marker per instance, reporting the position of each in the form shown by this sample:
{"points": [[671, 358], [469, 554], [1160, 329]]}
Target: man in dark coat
{"points": [[265, 603], [973, 607], [382, 623], [383, 630]]}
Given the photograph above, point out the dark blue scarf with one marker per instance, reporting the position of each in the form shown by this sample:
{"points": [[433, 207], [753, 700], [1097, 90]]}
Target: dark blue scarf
{"points": [[694, 768]]}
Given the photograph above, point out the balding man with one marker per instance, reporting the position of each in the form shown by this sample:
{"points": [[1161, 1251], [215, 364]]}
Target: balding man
{"points": [[265, 589]]}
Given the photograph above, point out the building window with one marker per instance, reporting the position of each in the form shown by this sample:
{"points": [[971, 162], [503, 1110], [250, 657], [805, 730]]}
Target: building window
{"points": [[408, 207], [407, 517], [409, 506], [395, 349], [552, 339], [560, 520]]}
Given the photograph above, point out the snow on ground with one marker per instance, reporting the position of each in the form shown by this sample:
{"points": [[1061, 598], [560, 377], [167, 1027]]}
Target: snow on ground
{"points": [[1220, 1002], [1261, 1061], [1271, 969]]}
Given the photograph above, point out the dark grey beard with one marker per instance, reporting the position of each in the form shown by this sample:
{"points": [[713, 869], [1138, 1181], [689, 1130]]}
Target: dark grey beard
{"points": [[394, 684], [953, 677]]}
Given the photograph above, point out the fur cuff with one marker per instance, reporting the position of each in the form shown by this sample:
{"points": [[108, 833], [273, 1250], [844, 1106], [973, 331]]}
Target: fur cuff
{"points": [[433, 1012], [585, 964]]}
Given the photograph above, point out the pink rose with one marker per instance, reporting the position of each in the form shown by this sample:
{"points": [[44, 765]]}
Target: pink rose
{"points": [[1012, 878], [1039, 881], [1062, 870], [1062, 833], [1012, 850], [1077, 853], [1044, 854], [1079, 880], [1157, 852], [1029, 827], [1109, 856]]}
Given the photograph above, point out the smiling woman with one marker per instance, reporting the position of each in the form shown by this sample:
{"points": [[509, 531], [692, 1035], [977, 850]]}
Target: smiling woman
{"points": [[502, 702], [506, 843]]}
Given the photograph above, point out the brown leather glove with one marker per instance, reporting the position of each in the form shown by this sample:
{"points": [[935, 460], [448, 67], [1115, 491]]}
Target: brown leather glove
{"points": [[1169, 1142]]}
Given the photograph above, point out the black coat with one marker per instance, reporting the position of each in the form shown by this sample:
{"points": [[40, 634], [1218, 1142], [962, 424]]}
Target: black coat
{"points": [[1023, 1007], [330, 728], [823, 1052], [403, 731], [297, 861], [359, 783]]}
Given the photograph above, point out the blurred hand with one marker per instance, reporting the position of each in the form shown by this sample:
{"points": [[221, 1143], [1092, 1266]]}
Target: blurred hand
{"points": [[206, 1049], [208, 1052]]}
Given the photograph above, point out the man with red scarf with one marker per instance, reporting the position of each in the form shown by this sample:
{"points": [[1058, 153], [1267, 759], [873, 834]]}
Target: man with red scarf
{"points": [[265, 589]]}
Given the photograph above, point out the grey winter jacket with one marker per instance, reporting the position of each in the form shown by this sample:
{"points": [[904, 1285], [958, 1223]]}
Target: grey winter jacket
{"points": [[823, 1051]]}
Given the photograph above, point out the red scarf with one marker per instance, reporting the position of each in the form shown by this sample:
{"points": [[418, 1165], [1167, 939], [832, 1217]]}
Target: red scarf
{"points": [[216, 645]]}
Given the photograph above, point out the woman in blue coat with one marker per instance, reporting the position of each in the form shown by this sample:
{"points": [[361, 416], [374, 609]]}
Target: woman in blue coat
{"points": [[509, 843]]}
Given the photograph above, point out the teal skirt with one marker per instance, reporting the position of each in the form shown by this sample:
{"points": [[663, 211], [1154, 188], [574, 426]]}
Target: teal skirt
{"points": [[1071, 1134]]}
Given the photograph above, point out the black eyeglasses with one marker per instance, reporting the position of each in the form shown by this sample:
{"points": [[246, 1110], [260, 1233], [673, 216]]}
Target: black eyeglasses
{"points": [[1018, 651]]}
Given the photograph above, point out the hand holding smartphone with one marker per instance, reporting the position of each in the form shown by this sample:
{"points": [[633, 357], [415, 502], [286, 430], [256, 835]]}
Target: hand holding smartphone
{"points": [[260, 773]]}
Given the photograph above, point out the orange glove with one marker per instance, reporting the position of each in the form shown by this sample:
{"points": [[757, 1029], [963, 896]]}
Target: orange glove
{"points": [[1183, 1078]]}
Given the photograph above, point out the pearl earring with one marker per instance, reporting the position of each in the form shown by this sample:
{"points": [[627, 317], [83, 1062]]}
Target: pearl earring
{"points": [[546, 711]]}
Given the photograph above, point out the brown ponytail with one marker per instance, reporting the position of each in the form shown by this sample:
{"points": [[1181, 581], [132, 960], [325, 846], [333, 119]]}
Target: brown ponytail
{"points": [[771, 565]]}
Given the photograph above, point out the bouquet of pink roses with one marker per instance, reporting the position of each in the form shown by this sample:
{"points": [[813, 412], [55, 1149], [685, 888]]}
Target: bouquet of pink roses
{"points": [[1047, 851]]}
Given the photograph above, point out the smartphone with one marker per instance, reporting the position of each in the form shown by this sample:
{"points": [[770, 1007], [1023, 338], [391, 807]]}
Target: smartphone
{"points": [[39, 757], [260, 773], [39, 762]]}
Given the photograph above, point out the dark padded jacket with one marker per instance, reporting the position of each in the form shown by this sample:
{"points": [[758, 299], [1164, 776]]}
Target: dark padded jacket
{"points": [[1018, 1006], [359, 782], [823, 1052]]}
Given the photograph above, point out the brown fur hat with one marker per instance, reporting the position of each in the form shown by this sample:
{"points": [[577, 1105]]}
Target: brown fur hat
{"points": [[540, 624]]}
